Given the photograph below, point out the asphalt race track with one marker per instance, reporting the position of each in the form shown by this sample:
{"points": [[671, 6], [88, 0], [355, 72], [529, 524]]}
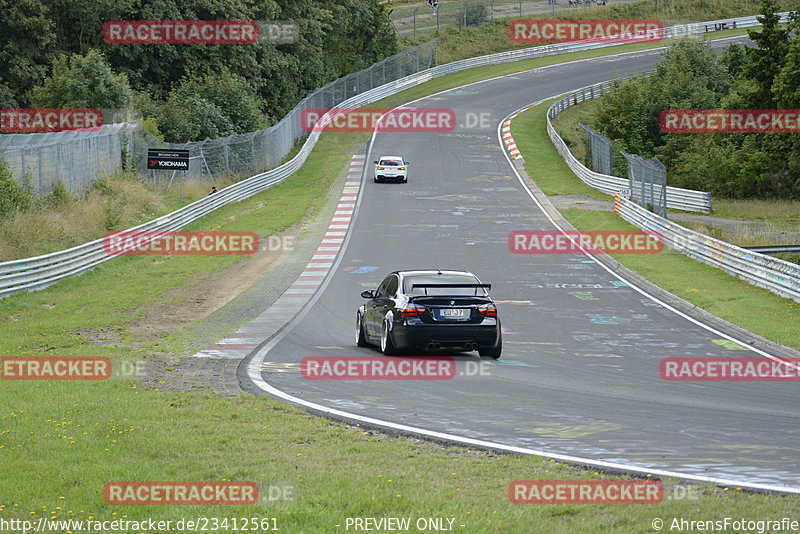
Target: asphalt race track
{"points": [[579, 372]]}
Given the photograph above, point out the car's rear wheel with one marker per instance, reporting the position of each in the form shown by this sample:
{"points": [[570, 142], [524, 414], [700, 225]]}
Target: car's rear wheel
{"points": [[361, 338], [493, 352], [387, 347]]}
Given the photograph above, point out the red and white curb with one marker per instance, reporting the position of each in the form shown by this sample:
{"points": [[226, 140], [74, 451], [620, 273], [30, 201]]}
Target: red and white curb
{"points": [[508, 139], [242, 342]]}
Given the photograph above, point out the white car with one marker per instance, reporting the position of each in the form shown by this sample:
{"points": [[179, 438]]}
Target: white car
{"points": [[391, 168]]}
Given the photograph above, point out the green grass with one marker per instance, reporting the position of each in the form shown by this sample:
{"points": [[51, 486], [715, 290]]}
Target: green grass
{"points": [[61, 442], [61, 450], [713, 290], [459, 43], [542, 162]]}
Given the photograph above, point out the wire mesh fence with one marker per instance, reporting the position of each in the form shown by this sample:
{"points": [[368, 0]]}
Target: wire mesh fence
{"points": [[648, 183], [78, 159], [599, 150]]}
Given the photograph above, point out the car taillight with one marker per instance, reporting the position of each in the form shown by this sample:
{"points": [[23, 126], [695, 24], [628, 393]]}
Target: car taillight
{"points": [[488, 311], [378, 168], [401, 168], [412, 311]]}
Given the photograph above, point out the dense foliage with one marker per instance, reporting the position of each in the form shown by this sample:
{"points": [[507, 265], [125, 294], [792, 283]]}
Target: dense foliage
{"points": [[52, 53], [691, 76]]}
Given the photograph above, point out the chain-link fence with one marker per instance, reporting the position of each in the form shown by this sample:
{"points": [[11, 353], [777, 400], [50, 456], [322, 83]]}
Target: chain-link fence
{"points": [[599, 150], [426, 18], [250, 153], [78, 159], [648, 183]]}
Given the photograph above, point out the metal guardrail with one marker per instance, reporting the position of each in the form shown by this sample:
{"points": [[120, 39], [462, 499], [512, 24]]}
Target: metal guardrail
{"points": [[775, 249], [677, 198], [41, 271], [779, 276]]}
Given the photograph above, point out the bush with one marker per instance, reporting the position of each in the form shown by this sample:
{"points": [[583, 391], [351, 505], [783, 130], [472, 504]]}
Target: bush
{"points": [[13, 196], [60, 194]]}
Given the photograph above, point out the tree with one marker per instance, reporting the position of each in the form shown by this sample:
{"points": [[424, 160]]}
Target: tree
{"points": [[230, 93], [687, 77], [82, 82], [786, 87], [26, 40], [231, 106], [7, 97], [768, 57], [192, 118], [734, 59]]}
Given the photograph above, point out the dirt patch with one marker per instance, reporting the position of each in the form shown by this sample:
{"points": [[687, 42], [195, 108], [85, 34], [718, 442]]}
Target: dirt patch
{"points": [[581, 202], [102, 337], [204, 294]]}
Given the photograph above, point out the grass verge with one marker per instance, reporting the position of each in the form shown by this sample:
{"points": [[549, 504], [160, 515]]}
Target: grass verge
{"points": [[717, 292]]}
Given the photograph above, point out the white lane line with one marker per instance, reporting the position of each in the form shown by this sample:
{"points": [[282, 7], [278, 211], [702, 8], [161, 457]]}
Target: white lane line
{"points": [[254, 366]]}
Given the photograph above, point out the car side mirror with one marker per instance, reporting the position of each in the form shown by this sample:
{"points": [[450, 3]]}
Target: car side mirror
{"points": [[407, 162], [368, 294], [375, 162]]}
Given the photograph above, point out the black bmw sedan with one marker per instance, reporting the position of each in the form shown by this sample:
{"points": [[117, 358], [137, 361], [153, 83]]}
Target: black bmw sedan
{"points": [[430, 310]]}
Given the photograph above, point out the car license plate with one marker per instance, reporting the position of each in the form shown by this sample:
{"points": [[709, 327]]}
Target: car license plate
{"points": [[454, 313]]}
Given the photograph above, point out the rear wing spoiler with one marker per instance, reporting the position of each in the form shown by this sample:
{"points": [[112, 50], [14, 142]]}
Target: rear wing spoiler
{"points": [[451, 286], [485, 286]]}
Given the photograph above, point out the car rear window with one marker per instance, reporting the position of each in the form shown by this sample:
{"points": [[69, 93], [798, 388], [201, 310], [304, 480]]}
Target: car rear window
{"points": [[409, 281], [390, 163]]}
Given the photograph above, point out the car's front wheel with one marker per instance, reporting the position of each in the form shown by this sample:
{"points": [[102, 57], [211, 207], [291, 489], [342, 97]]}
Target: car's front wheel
{"points": [[387, 346], [361, 338]]}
